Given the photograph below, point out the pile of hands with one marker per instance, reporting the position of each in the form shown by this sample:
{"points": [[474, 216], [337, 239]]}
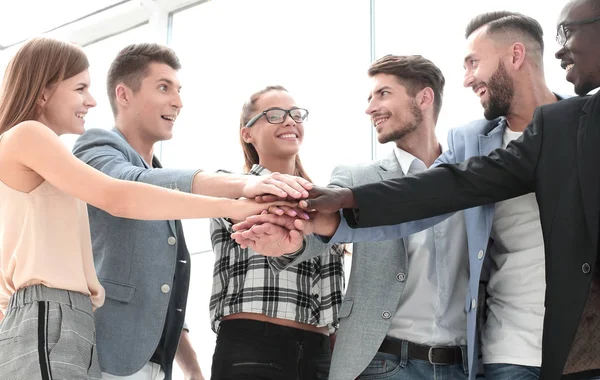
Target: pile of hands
{"points": [[280, 230]]}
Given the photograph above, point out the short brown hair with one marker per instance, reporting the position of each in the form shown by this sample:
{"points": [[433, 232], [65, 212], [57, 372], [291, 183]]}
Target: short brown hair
{"points": [[131, 66], [39, 64], [415, 73]]}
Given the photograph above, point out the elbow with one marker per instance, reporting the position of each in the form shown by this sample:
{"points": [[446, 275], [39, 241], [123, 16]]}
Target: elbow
{"points": [[116, 200]]}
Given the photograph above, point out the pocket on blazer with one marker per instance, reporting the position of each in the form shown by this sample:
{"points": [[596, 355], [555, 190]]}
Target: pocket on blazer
{"points": [[117, 291], [346, 308]]}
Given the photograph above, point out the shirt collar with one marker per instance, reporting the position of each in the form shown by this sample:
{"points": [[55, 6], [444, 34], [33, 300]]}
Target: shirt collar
{"points": [[409, 164]]}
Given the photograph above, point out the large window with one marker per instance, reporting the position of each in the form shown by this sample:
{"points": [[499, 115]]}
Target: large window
{"points": [[318, 50]]}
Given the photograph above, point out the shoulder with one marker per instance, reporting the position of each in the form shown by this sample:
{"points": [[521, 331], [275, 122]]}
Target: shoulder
{"points": [[573, 103], [28, 132], [96, 137], [475, 127]]}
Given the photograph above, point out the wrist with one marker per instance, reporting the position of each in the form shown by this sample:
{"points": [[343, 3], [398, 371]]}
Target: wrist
{"points": [[299, 249], [327, 224], [347, 198]]}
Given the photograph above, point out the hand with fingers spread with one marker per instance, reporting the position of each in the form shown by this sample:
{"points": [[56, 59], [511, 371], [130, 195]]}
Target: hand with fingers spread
{"points": [[328, 200], [278, 185]]}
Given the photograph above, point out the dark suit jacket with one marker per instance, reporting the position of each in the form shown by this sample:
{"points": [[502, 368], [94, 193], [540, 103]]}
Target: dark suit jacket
{"points": [[558, 158]]}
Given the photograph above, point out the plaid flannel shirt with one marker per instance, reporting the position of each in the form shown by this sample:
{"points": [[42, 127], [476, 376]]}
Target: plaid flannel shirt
{"points": [[243, 281]]}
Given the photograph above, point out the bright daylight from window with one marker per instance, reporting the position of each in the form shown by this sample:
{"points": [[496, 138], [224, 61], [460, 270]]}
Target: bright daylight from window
{"points": [[319, 50]]}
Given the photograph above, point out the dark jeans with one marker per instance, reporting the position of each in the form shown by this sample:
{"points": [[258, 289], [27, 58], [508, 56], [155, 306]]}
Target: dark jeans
{"points": [[253, 350]]}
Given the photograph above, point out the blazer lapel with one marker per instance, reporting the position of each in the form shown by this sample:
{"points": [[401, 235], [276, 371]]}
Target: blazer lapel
{"points": [[491, 140], [156, 164], [487, 143], [391, 169], [588, 156]]}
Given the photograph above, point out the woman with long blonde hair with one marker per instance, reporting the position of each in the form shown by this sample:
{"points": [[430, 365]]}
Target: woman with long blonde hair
{"points": [[48, 285]]}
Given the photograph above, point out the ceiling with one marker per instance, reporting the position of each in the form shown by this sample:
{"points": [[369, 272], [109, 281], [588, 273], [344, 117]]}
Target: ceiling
{"points": [[22, 19]]}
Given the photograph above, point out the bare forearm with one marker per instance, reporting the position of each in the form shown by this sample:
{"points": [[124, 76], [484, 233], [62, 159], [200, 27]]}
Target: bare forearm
{"points": [[141, 201], [186, 357], [218, 185]]}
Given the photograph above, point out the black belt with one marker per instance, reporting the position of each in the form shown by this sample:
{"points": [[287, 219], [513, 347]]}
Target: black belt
{"points": [[446, 355]]}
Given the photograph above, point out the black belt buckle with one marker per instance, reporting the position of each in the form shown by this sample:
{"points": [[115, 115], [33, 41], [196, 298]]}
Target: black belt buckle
{"points": [[430, 355]]}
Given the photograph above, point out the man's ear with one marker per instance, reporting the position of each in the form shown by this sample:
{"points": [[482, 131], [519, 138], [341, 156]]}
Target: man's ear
{"points": [[425, 98], [518, 55], [247, 135], [123, 94]]}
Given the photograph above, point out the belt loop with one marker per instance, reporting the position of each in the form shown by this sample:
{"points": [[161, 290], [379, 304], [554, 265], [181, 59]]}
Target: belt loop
{"points": [[465, 359], [404, 356]]}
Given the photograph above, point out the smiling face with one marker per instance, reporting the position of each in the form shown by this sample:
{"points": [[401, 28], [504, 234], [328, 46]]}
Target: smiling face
{"points": [[580, 56], [486, 74], [65, 104], [274, 140], [156, 105], [394, 113]]}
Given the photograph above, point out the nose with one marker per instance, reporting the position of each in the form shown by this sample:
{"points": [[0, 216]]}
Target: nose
{"points": [[469, 79], [560, 52], [288, 121], [372, 107], [176, 101], [90, 101]]}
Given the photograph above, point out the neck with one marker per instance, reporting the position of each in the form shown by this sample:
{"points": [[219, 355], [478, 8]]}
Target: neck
{"points": [[143, 145], [530, 93], [422, 143], [284, 165]]}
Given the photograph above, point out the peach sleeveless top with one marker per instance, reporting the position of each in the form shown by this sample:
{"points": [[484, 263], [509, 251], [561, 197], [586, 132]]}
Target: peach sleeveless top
{"points": [[45, 239]]}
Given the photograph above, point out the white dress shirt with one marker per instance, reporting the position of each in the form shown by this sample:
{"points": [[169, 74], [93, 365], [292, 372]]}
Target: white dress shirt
{"points": [[513, 329], [432, 308]]}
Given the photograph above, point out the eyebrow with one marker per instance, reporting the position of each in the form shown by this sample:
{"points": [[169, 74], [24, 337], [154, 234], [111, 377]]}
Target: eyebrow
{"points": [[379, 91], [167, 81], [84, 85]]}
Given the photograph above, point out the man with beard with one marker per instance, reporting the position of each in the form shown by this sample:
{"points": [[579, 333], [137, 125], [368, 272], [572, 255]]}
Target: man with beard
{"points": [[557, 158], [504, 67]]}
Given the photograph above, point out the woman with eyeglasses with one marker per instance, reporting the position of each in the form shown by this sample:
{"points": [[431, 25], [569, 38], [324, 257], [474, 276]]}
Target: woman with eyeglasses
{"points": [[48, 284], [272, 325]]}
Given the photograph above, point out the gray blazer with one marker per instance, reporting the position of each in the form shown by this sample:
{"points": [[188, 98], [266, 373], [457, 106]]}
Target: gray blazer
{"points": [[376, 284], [135, 260]]}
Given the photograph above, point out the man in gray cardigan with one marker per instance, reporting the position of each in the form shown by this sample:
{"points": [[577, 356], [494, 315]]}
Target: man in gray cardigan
{"points": [[144, 266]]}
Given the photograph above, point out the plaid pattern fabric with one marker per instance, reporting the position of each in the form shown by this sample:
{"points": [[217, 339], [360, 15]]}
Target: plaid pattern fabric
{"points": [[309, 293]]}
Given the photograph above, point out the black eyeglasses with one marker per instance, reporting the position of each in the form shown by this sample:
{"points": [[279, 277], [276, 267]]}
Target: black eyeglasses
{"points": [[561, 34], [277, 115]]}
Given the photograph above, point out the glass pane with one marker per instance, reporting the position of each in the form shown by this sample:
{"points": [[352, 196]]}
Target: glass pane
{"points": [[306, 46], [15, 29], [439, 36], [218, 74]]}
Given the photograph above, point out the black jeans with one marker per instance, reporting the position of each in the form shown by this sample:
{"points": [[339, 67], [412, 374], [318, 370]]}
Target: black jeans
{"points": [[253, 350]]}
